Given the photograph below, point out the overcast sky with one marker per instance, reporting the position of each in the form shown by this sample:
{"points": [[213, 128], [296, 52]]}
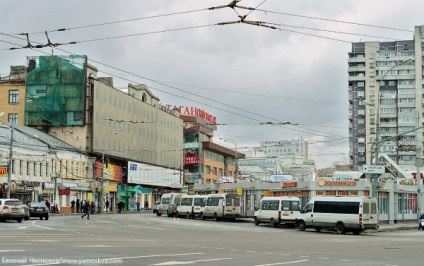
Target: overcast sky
{"points": [[244, 75]]}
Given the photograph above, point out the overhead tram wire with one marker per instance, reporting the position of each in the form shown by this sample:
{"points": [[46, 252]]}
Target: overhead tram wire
{"points": [[325, 19], [179, 89], [122, 21]]}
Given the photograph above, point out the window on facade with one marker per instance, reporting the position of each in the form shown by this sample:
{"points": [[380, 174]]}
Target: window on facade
{"points": [[13, 96], [407, 203], [28, 168], [13, 118], [35, 169]]}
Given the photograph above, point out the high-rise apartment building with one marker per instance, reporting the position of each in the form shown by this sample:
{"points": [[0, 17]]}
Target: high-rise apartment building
{"points": [[386, 100]]}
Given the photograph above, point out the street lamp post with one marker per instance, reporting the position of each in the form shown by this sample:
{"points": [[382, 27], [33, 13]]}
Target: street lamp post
{"points": [[236, 157], [377, 143], [10, 163], [377, 132], [103, 172]]}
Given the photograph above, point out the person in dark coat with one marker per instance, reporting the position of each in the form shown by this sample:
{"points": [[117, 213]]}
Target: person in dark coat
{"points": [[73, 206], [93, 207], [78, 205], [86, 207], [119, 206], [107, 205], [47, 204]]}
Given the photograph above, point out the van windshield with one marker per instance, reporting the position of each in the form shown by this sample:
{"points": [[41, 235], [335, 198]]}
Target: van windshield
{"points": [[165, 200], [288, 205], [232, 198]]}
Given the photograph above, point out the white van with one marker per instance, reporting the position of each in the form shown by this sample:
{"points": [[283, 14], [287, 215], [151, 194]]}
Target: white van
{"points": [[345, 214], [222, 206], [191, 205], [168, 204], [278, 210]]}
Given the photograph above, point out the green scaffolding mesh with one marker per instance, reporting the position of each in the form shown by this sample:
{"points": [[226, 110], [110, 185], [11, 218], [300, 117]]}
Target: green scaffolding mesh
{"points": [[55, 91]]}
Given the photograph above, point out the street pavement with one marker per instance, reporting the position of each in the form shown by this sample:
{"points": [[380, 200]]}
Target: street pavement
{"points": [[382, 227]]}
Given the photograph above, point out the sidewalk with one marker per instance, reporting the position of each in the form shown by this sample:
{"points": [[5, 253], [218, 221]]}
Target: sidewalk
{"points": [[397, 227]]}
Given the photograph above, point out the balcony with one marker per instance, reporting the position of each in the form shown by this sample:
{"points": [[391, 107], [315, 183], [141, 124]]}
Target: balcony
{"points": [[357, 78], [356, 69]]}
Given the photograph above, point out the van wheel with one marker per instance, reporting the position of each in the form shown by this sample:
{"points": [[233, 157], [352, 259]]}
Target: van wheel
{"points": [[46, 217], [168, 214], [256, 221], [318, 229], [302, 226], [202, 216], [215, 217], [158, 214], [19, 220], [356, 231], [273, 223], [340, 228], [188, 215]]}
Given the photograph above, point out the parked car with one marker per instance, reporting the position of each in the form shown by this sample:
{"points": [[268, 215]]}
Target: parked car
{"points": [[155, 207], [11, 209], [38, 209]]}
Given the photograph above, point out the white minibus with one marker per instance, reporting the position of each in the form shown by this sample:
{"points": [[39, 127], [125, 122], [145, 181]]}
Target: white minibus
{"points": [[278, 210], [168, 204], [345, 214], [222, 206], [191, 205]]}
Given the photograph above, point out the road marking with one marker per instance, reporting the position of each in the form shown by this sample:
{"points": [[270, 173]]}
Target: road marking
{"points": [[189, 262], [283, 263], [94, 246], [12, 250], [44, 240]]}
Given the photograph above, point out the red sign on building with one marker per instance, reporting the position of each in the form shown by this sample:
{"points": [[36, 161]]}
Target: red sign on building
{"points": [[191, 160]]}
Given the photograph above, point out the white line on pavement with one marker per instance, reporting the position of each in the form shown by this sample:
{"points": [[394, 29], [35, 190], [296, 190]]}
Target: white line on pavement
{"points": [[13, 250], [283, 263], [189, 262]]}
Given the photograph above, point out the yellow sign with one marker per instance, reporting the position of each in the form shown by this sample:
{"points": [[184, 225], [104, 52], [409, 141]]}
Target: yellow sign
{"points": [[3, 171], [267, 193], [240, 191]]}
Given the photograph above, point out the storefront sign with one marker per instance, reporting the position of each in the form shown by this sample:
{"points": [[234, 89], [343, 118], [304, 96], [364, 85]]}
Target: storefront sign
{"points": [[191, 160], [322, 182], [31, 183], [21, 188], [65, 191], [330, 193], [194, 111], [3, 171], [48, 185], [288, 184], [342, 193]]}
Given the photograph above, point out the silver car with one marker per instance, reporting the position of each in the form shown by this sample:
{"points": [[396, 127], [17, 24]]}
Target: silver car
{"points": [[11, 209]]}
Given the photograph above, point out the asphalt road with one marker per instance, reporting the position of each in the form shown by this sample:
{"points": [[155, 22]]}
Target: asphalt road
{"points": [[145, 239]]}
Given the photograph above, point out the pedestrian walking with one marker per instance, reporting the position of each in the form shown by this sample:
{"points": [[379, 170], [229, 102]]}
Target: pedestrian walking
{"points": [[107, 205], [138, 206], [48, 204], [420, 222], [146, 205], [119, 206], [73, 206], [86, 207], [78, 205]]}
